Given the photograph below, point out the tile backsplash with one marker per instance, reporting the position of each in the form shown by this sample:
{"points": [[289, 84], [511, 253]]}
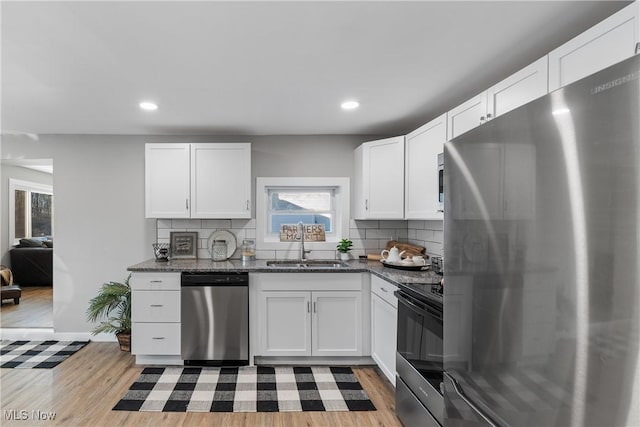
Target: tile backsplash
{"points": [[369, 237]]}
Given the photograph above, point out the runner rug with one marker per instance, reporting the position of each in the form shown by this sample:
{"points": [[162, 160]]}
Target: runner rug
{"points": [[37, 354], [246, 389]]}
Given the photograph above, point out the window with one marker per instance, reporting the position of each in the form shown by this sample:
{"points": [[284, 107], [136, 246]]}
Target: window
{"points": [[309, 205], [30, 210], [310, 200]]}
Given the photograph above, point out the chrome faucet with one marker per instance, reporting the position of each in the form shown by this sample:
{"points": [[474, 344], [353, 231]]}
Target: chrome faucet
{"points": [[300, 237]]}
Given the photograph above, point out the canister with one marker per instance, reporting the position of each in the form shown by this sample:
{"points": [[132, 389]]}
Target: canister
{"points": [[219, 250]]}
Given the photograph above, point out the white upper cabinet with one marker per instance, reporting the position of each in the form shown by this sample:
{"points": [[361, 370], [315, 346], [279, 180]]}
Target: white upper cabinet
{"points": [[518, 89], [422, 147], [467, 115], [221, 180], [167, 174], [379, 179], [604, 44], [198, 180]]}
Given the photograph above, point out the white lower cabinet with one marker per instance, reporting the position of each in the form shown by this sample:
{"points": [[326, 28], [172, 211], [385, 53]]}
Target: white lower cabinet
{"points": [[310, 323], [155, 317], [310, 314], [336, 325], [384, 320], [156, 339], [285, 326]]}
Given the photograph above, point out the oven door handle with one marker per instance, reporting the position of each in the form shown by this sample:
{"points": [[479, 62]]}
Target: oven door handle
{"points": [[420, 309]]}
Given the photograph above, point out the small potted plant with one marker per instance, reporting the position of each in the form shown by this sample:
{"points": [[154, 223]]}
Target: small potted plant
{"points": [[344, 247], [112, 306]]}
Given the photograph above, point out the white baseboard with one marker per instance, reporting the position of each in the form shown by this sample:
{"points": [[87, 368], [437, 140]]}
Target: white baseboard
{"points": [[103, 337], [16, 334], [314, 361], [158, 360]]}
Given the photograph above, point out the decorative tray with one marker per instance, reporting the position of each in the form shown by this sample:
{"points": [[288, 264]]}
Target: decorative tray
{"points": [[400, 266]]}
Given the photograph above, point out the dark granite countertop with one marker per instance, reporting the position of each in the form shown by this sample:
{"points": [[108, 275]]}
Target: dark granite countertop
{"points": [[260, 266]]}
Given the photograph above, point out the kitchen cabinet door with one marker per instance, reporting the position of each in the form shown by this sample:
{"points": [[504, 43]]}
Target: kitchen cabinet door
{"points": [[422, 147], [285, 328], [467, 116], [379, 179], [384, 321], [602, 45], [221, 180], [337, 323], [167, 174], [518, 89]]}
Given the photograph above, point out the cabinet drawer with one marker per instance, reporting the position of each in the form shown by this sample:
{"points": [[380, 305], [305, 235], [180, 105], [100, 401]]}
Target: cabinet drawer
{"points": [[384, 290], [155, 306], [155, 281], [155, 338]]}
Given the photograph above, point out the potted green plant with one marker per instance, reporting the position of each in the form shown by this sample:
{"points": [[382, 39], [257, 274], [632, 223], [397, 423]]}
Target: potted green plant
{"points": [[344, 247], [112, 307]]}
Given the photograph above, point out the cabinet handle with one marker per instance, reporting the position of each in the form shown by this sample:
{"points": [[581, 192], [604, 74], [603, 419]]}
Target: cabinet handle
{"points": [[156, 305], [489, 116], [156, 281], [366, 204], [157, 338], [440, 210], [314, 306], [384, 290], [308, 307], [186, 203], [637, 48], [482, 119], [247, 204]]}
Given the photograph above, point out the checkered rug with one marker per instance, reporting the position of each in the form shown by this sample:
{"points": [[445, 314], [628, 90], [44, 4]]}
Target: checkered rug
{"points": [[36, 354], [246, 389]]}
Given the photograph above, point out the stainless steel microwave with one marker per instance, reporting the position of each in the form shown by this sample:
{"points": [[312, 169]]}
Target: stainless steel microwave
{"points": [[441, 182]]}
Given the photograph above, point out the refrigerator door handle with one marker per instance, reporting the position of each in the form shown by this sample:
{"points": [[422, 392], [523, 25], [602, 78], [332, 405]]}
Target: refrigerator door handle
{"points": [[471, 405]]}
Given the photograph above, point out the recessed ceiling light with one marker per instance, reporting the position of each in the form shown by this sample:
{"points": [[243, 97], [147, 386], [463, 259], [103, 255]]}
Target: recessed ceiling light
{"points": [[148, 106], [350, 105]]}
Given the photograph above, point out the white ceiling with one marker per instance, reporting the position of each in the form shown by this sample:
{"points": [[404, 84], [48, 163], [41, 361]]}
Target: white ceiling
{"points": [[248, 68]]}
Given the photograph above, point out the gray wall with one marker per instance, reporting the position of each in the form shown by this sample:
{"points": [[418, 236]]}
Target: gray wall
{"points": [[100, 227], [24, 174]]}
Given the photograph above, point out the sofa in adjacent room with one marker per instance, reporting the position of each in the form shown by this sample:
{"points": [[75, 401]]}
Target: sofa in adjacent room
{"points": [[32, 262]]}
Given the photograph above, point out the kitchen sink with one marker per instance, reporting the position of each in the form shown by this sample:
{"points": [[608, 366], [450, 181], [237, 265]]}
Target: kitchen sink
{"points": [[306, 264]]}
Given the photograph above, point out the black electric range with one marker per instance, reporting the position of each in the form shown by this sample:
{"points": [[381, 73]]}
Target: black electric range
{"points": [[420, 354]]}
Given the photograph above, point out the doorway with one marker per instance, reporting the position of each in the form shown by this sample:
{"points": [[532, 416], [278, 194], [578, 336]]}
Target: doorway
{"points": [[27, 242]]}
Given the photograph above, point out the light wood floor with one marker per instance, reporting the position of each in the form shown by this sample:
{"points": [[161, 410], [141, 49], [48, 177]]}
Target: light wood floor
{"points": [[83, 389], [34, 311]]}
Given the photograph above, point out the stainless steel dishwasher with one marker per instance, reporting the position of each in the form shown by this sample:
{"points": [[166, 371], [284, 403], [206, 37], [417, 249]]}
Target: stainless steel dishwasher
{"points": [[215, 319]]}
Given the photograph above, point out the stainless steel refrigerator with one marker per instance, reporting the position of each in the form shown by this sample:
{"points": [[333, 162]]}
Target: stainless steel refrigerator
{"points": [[541, 259]]}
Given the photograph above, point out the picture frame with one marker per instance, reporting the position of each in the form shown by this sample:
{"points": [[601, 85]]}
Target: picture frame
{"points": [[184, 244]]}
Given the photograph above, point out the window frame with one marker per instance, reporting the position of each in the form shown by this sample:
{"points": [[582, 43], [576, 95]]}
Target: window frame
{"points": [[29, 187], [340, 185]]}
